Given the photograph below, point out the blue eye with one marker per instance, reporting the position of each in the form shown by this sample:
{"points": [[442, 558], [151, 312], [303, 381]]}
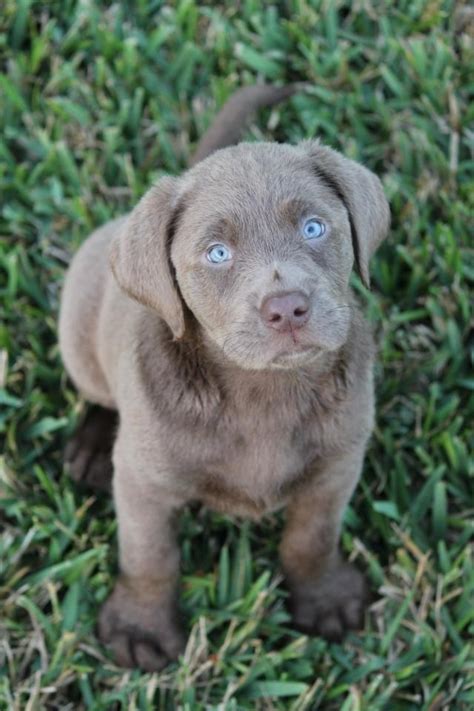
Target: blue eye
{"points": [[218, 253], [313, 228]]}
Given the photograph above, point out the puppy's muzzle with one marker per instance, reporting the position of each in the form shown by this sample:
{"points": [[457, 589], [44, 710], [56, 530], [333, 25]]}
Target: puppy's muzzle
{"points": [[285, 312]]}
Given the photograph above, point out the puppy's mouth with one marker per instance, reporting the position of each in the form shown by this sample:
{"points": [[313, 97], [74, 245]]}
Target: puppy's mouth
{"points": [[253, 348]]}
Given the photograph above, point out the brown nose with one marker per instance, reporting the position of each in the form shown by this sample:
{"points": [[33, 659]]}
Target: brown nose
{"points": [[286, 312]]}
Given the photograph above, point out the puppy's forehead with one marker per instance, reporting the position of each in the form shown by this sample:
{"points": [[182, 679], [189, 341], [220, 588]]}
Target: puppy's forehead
{"points": [[251, 180]]}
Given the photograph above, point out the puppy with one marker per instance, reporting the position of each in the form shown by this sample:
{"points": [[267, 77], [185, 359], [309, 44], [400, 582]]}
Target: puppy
{"points": [[217, 319]]}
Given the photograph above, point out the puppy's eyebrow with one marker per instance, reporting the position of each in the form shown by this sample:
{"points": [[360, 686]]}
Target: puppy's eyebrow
{"points": [[222, 228], [334, 186], [292, 210]]}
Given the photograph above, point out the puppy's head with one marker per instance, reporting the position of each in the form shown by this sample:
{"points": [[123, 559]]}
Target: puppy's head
{"points": [[259, 241]]}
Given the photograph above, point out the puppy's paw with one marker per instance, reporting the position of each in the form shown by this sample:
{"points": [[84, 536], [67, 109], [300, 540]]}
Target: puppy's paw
{"points": [[88, 454], [331, 606], [140, 633]]}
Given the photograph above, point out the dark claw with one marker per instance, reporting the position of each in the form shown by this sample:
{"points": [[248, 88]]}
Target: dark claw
{"points": [[137, 634], [332, 606], [88, 454]]}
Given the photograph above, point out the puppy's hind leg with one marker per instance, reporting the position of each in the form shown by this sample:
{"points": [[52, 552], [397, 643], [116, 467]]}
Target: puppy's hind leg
{"points": [[88, 454]]}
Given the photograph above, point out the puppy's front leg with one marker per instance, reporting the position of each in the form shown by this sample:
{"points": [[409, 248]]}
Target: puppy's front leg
{"points": [[328, 595], [139, 619]]}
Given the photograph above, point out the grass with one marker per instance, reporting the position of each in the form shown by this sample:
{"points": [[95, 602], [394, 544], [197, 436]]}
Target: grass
{"points": [[97, 100]]}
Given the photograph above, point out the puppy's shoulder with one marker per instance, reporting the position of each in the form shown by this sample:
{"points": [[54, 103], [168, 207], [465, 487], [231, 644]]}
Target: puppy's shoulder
{"points": [[177, 383], [360, 349]]}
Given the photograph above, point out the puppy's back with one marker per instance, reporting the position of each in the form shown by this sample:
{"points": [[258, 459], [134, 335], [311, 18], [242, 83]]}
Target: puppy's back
{"points": [[81, 306]]}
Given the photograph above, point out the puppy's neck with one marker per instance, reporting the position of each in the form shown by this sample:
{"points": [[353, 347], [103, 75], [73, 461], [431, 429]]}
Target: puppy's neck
{"points": [[192, 380], [319, 383]]}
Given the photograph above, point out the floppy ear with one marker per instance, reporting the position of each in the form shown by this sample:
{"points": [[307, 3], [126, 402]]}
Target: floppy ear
{"points": [[363, 197], [140, 257]]}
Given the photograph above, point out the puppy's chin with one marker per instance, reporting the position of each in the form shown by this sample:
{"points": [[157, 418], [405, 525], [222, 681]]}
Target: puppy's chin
{"points": [[297, 359], [268, 359], [286, 360], [249, 351]]}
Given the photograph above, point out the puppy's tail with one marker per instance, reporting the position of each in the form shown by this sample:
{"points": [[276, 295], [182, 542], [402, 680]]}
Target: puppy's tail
{"points": [[231, 119]]}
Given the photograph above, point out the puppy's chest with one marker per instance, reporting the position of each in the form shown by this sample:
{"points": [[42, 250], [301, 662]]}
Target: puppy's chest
{"points": [[247, 462]]}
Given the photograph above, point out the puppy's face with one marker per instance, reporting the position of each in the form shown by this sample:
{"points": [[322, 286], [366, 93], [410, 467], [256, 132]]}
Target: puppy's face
{"points": [[263, 256], [259, 240]]}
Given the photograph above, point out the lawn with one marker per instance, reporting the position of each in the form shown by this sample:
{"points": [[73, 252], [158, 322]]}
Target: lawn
{"points": [[99, 99]]}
